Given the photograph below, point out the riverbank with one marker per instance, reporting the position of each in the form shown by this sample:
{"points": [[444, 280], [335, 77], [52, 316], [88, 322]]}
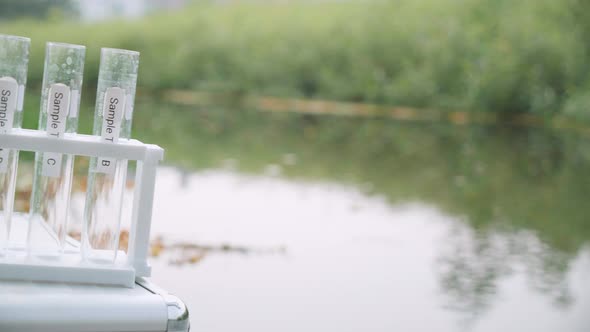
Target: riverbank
{"points": [[492, 56]]}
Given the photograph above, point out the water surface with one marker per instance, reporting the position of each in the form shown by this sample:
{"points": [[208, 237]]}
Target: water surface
{"points": [[355, 263], [326, 223]]}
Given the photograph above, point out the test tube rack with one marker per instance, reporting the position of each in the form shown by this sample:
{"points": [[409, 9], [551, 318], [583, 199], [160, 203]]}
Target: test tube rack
{"points": [[70, 267]]}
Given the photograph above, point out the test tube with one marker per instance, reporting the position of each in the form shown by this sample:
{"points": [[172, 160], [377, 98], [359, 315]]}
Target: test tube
{"points": [[60, 102], [117, 79], [14, 60]]}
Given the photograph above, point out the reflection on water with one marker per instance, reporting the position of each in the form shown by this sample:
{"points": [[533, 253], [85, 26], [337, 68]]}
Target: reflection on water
{"points": [[355, 262], [472, 266], [386, 225]]}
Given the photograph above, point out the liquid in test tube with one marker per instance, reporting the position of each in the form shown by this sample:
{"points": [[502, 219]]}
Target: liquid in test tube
{"points": [[117, 79], [14, 60], [60, 102]]}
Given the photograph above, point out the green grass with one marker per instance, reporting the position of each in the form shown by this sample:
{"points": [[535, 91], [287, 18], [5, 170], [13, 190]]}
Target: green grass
{"points": [[496, 55]]}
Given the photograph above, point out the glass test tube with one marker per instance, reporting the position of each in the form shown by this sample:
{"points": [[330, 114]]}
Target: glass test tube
{"points": [[117, 79], [60, 102], [14, 60]]}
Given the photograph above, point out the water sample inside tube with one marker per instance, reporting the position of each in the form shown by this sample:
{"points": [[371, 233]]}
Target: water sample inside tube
{"points": [[52, 183], [117, 81], [14, 61]]}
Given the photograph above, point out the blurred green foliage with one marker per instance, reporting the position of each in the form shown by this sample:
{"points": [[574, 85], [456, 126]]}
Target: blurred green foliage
{"points": [[502, 56], [39, 9]]}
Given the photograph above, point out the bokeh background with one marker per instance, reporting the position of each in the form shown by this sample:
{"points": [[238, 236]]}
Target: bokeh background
{"points": [[376, 165]]}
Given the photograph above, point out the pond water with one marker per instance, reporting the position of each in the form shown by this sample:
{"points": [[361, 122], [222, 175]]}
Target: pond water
{"points": [[350, 262], [291, 222]]}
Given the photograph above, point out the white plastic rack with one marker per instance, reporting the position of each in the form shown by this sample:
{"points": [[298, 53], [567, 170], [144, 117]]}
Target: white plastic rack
{"points": [[70, 267]]}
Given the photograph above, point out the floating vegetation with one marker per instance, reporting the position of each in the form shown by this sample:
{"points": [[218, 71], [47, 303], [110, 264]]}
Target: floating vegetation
{"points": [[183, 253]]}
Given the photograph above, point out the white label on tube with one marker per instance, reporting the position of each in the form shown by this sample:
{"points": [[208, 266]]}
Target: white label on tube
{"points": [[4, 154], [21, 98], [112, 114], [75, 96], [58, 105], [128, 108], [8, 102]]}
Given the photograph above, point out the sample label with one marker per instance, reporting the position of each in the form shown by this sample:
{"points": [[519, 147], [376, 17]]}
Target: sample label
{"points": [[112, 113], [74, 103], [129, 108], [58, 104], [8, 102], [21, 98]]}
